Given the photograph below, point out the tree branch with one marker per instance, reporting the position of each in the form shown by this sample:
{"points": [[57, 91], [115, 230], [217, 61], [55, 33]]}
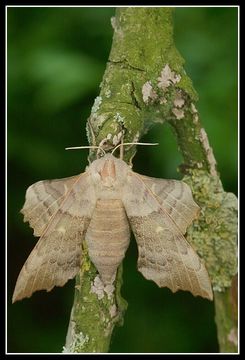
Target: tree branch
{"points": [[145, 83]]}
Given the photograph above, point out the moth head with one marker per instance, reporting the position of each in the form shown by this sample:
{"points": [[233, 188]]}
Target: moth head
{"points": [[109, 171]]}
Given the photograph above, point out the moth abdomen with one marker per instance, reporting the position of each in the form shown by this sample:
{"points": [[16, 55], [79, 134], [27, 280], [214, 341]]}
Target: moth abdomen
{"points": [[108, 237]]}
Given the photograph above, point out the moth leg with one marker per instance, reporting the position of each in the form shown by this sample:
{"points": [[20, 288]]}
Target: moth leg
{"points": [[122, 148], [91, 132], [100, 146]]}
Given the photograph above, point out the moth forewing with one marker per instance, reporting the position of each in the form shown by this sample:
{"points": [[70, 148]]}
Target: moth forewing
{"points": [[175, 198]]}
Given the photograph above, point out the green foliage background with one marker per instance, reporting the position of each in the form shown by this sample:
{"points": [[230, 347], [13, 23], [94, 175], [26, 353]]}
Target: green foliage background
{"points": [[56, 59]]}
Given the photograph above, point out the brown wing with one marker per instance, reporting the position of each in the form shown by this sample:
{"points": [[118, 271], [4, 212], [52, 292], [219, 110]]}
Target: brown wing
{"points": [[43, 199], [159, 215], [176, 199], [59, 211]]}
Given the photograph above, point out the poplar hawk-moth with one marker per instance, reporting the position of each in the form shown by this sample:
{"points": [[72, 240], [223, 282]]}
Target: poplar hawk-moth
{"points": [[100, 206]]}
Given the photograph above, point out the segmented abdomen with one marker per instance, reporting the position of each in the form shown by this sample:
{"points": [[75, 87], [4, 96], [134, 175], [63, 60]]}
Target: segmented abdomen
{"points": [[108, 237]]}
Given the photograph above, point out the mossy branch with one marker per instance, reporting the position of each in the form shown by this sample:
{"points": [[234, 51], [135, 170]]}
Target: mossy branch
{"points": [[145, 83]]}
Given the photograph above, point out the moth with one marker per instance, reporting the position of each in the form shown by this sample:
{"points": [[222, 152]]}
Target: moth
{"points": [[101, 206]]}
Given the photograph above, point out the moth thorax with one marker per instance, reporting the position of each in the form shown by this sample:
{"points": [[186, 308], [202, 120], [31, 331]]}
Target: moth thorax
{"points": [[108, 172], [108, 237]]}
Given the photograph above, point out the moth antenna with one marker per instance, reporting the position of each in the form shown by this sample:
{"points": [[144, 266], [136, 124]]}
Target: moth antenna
{"points": [[86, 147], [132, 143]]}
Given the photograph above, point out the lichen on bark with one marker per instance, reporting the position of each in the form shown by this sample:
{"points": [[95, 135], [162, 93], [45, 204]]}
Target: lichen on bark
{"points": [[121, 103], [96, 310], [214, 234]]}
